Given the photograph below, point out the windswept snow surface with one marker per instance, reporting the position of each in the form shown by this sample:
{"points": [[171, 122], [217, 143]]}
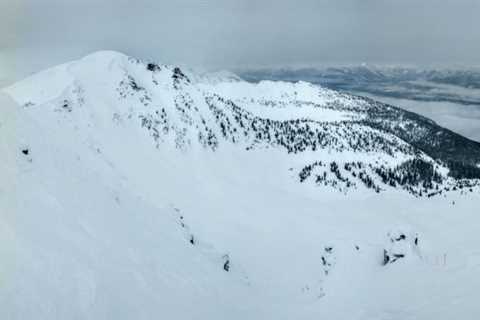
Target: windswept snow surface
{"points": [[100, 221]]}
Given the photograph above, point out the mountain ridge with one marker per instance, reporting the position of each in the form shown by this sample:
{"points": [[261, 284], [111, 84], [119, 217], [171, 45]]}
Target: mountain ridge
{"points": [[187, 109], [119, 202]]}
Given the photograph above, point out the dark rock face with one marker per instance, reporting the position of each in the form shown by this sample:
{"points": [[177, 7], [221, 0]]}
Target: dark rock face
{"points": [[153, 67]]}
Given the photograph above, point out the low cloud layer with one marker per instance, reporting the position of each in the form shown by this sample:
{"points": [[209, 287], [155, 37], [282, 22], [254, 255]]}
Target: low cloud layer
{"points": [[231, 33]]}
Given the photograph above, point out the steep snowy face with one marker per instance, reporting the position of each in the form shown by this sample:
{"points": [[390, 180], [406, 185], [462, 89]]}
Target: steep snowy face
{"points": [[333, 139]]}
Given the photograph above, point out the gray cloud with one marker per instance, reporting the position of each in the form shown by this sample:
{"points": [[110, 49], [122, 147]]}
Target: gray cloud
{"points": [[233, 33]]}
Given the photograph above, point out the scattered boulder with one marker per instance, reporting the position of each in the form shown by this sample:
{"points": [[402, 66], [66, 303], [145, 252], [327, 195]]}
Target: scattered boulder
{"points": [[226, 264], [328, 259], [386, 257], [401, 237], [399, 245]]}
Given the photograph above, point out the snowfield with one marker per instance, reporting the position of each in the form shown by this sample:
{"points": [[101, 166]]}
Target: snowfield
{"points": [[139, 191]]}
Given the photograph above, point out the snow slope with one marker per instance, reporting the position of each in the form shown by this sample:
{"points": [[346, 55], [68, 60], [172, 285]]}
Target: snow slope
{"points": [[109, 210]]}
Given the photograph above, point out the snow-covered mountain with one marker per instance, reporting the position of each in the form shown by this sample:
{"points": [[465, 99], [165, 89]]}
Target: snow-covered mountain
{"points": [[137, 190], [451, 97]]}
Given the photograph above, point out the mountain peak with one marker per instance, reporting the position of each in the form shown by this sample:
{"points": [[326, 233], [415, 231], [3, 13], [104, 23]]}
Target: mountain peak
{"points": [[386, 147], [105, 55]]}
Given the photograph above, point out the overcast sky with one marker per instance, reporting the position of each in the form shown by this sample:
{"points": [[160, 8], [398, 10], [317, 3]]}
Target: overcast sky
{"points": [[35, 34]]}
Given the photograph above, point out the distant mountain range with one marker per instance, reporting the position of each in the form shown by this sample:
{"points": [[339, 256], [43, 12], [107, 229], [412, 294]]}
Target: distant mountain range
{"points": [[451, 85]]}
